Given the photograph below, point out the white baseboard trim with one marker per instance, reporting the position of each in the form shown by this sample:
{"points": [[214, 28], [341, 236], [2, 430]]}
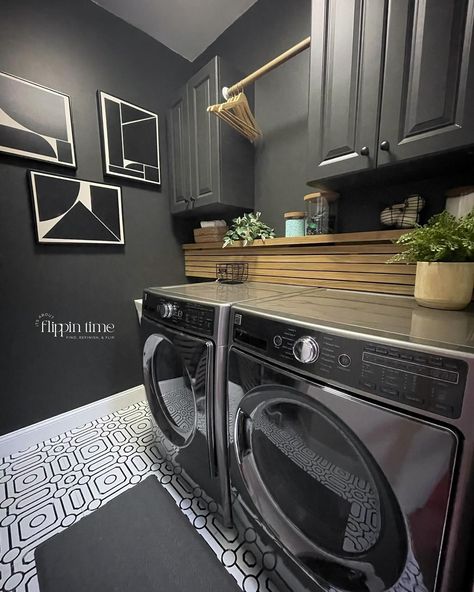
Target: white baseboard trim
{"points": [[43, 430]]}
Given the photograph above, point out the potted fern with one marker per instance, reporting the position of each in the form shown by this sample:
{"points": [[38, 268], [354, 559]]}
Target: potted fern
{"points": [[443, 251], [247, 228]]}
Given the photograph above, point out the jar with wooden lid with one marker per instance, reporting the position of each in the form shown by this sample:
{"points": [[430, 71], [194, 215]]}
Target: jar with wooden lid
{"points": [[321, 212], [460, 200], [294, 223]]}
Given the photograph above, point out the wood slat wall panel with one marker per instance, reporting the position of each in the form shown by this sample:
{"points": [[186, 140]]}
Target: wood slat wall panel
{"points": [[296, 266], [362, 286], [324, 275], [313, 261], [290, 258]]}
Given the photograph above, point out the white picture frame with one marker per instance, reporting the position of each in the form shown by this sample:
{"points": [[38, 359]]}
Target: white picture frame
{"points": [[130, 140], [75, 211], [35, 122]]}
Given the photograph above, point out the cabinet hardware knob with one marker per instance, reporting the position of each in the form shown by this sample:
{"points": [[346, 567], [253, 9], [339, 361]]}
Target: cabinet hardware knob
{"points": [[365, 151], [385, 146]]}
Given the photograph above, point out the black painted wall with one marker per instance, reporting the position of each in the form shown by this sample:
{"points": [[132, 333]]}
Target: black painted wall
{"points": [[78, 48], [281, 106]]}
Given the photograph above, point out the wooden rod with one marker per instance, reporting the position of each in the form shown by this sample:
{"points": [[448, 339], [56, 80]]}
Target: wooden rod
{"points": [[281, 59]]}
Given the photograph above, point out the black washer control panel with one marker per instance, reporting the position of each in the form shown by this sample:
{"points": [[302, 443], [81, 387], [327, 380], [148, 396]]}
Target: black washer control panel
{"points": [[435, 383], [179, 313]]}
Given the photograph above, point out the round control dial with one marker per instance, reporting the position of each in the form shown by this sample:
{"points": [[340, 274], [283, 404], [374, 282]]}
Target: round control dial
{"points": [[306, 350], [277, 341], [344, 360], [166, 310]]}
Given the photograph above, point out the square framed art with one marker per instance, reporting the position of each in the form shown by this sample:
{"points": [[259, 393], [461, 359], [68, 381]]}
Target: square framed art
{"points": [[35, 122], [68, 210], [130, 140]]}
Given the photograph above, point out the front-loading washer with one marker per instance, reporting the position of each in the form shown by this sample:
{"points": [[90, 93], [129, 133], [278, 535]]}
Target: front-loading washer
{"points": [[350, 438], [185, 340]]}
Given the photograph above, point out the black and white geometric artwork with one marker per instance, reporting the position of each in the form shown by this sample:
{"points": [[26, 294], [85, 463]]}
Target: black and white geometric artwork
{"points": [[130, 140], [35, 122], [74, 211]]}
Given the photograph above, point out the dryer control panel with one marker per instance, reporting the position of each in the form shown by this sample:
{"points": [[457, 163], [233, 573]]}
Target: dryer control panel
{"points": [[179, 313], [422, 380]]}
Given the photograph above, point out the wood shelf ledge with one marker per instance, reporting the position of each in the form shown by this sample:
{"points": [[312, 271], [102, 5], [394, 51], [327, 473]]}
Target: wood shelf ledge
{"points": [[375, 236]]}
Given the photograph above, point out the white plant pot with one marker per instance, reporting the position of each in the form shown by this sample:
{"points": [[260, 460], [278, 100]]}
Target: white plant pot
{"points": [[447, 286]]}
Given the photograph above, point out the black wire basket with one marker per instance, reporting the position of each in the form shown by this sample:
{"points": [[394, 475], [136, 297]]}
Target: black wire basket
{"points": [[232, 273]]}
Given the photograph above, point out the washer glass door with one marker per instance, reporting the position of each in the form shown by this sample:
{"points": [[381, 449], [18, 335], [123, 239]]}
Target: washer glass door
{"points": [[177, 377], [320, 491]]}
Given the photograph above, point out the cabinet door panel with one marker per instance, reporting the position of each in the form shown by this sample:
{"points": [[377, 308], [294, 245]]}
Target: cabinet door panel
{"points": [[204, 135], [428, 93], [342, 74], [346, 50], [178, 140]]}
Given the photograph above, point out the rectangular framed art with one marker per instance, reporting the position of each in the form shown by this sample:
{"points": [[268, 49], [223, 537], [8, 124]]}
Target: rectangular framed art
{"points": [[130, 140], [35, 122], [68, 210]]}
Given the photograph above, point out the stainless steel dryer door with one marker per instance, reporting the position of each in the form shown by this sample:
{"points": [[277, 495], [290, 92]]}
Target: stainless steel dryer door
{"points": [[357, 494], [177, 373]]}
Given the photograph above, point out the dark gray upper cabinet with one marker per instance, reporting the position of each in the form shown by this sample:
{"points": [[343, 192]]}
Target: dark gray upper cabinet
{"points": [[204, 135], [211, 165], [346, 58], [390, 80], [178, 146], [428, 85]]}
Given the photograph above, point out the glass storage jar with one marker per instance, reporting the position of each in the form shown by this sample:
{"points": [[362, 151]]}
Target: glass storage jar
{"points": [[321, 212], [460, 201], [294, 223]]}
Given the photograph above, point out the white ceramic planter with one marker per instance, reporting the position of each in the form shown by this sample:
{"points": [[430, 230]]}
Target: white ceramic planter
{"points": [[447, 286]]}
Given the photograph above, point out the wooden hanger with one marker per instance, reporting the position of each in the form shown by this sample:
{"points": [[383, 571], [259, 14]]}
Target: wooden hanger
{"points": [[236, 110], [233, 114], [234, 121], [239, 109]]}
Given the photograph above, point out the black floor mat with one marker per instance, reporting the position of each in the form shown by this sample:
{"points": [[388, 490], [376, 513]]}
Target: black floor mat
{"points": [[140, 541]]}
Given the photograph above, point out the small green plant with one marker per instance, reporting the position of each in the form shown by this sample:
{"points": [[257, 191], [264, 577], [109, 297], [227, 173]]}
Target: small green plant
{"points": [[247, 228], [444, 239]]}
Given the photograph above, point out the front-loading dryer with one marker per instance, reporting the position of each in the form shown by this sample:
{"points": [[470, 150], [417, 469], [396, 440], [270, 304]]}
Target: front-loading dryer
{"points": [[185, 341], [350, 438]]}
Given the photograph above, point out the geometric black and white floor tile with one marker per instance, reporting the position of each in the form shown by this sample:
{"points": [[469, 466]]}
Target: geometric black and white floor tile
{"points": [[49, 486]]}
